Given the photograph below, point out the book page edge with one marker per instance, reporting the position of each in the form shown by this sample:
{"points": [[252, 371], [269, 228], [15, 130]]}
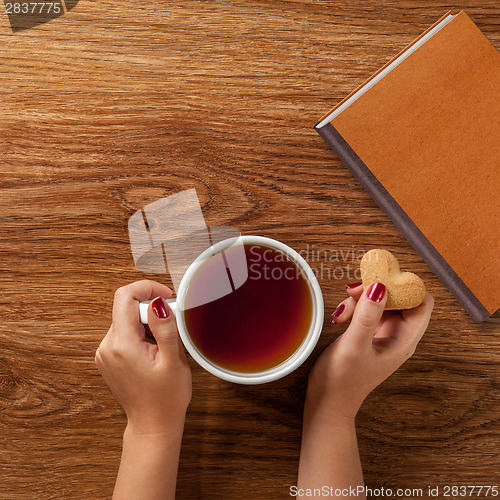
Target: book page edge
{"points": [[389, 66]]}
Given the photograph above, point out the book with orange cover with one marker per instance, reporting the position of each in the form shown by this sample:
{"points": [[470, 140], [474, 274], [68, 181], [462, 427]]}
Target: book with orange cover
{"points": [[422, 135]]}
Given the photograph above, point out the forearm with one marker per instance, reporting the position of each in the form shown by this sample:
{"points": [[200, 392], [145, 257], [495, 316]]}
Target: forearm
{"points": [[149, 462], [329, 458]]}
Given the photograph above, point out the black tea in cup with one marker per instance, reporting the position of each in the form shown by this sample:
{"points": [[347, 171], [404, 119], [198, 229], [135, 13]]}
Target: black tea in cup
{"points": [[261, 323]]}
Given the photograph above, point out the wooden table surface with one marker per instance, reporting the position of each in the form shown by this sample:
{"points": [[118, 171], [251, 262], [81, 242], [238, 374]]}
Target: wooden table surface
{"points": [[117, 104]]}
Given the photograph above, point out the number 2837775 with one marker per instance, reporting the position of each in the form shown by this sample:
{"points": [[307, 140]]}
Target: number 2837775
{"points": [[33, 8]]}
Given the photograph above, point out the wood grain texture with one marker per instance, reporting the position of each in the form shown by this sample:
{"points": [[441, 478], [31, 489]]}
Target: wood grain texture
{"points": [[116, 104]]}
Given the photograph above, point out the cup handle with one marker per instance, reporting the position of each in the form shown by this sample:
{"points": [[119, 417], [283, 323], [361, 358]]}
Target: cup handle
{"points": [[143, 309]]}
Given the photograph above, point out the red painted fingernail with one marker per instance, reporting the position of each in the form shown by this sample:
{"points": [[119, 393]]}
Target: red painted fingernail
{"points": [[337, 312], [159, 308], [376, 292], [354, 285]]}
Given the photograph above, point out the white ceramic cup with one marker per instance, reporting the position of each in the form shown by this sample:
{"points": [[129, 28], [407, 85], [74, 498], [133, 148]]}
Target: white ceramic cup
{"points": [[274, 373]]}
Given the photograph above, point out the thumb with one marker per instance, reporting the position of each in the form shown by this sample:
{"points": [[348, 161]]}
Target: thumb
{"points": [[161, 322], [367, 314]]}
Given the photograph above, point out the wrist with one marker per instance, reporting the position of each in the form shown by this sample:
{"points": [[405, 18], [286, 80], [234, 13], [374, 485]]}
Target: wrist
{"points": [[324, 416], [161, 429], [330, 407]]}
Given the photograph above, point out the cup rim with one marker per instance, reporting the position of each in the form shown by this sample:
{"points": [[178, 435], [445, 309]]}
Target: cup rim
{"points": [[302, 352]]}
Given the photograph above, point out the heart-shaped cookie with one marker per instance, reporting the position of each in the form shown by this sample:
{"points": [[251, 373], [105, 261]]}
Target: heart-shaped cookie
{"points": [[404, 290]]}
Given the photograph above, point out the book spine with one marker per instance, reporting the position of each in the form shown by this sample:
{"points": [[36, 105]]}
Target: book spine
{"points": [[403, 222]]}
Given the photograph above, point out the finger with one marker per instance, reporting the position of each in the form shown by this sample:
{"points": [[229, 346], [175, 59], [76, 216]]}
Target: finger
{"points": [[126, 319], [97, 358], [344, 311], [355, 290], [161, 321], [103, 345], [367, 314], [416, 321], [99, 355]]}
